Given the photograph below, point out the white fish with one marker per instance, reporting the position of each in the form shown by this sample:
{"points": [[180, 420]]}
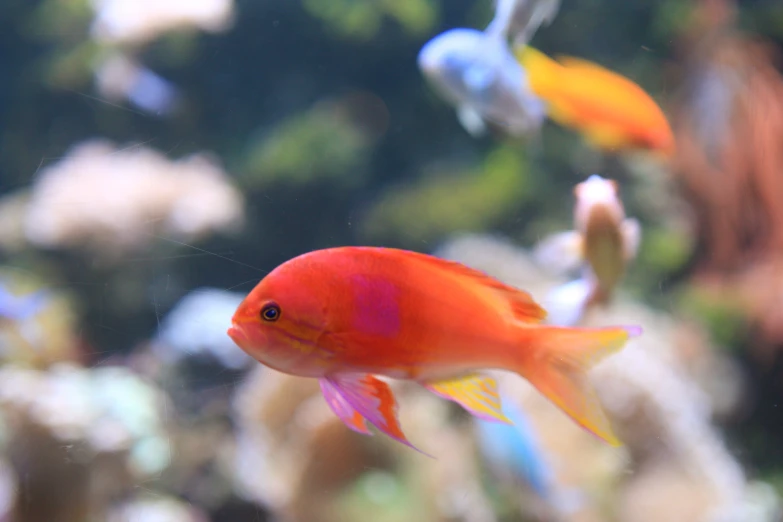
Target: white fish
{"points": [[479, 75]]}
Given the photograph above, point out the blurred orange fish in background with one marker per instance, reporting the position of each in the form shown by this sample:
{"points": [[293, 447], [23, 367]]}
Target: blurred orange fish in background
{"points": [[343, 315], [609, 110], [609, 240]]}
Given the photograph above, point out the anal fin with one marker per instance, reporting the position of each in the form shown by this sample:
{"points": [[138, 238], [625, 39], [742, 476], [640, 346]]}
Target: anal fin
{"points": [[478, 394]]}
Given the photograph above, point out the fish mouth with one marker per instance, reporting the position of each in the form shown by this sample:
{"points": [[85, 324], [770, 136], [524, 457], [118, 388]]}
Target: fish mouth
{"points": [[237, 335]]}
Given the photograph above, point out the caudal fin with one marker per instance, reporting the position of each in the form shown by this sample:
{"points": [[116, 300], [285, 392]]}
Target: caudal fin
{"points": [[556, 361]]}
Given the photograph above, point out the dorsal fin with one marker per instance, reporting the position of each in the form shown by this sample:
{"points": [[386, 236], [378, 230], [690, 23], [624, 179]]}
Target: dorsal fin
{"points": [[580, 64], [609, 77], [522, 304]]}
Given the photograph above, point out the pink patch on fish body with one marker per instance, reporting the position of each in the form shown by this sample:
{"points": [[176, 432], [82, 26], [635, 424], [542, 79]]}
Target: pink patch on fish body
{"points": [[376, 306]]}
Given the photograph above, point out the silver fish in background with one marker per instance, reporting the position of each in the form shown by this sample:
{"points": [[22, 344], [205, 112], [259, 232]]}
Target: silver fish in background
{"points": [[518, 20], [478, 74]]}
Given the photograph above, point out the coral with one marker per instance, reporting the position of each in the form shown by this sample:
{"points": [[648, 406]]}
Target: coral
{"points": [[157, 509], [729, 126], [296, 458], [37, 326], [137, 21], [115, 201], [79, 437]]}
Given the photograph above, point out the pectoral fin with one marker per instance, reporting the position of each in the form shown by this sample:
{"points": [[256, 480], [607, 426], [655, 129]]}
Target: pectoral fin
{"points": [[471, 121], [632, 236], [342, 408], [476, 393], [356, 397], [560, 253]]}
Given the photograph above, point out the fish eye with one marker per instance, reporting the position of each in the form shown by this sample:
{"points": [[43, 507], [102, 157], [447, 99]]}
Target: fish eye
{"points": [[270, 312]]}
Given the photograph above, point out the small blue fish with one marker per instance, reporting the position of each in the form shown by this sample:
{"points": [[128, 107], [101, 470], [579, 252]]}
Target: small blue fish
{"points": [[478, 74], [516, 449]]}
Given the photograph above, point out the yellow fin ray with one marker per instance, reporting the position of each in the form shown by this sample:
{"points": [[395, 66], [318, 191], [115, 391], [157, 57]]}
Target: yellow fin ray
{"points": [[558, 365], [478, 394]]}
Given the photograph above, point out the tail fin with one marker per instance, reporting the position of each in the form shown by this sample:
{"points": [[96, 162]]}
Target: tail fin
{"points": [[557, 361]]}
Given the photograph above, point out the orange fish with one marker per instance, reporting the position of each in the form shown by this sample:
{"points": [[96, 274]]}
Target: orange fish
{"points": [[345, 315], [609, 239], [608, 109]]}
